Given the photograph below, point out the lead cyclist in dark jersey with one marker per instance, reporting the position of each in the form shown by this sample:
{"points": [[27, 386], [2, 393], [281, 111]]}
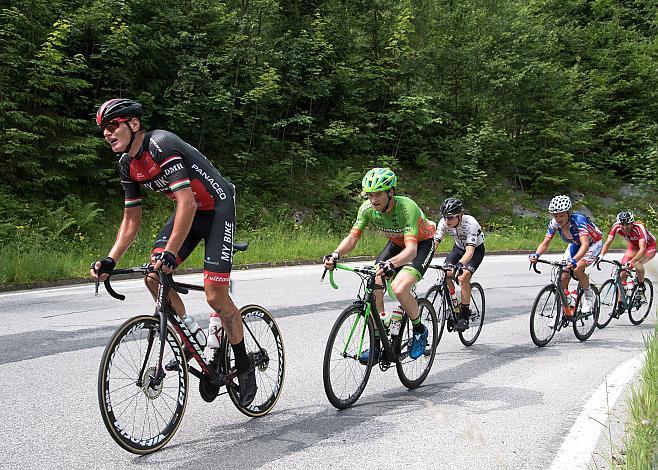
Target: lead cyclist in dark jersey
{"points": [[205, 209], [407, 254]]}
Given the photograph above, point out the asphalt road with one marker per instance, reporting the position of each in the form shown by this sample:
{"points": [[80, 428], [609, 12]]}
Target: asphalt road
{"points": [[502, 403]]}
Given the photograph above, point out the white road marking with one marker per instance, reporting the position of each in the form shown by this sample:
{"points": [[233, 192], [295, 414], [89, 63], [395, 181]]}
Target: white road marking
{"points": [[576, 449]]}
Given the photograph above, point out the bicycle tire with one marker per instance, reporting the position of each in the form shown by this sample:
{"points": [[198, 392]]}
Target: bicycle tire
{"points": [[552, 317], [639, 317], [123, 355], [435, 296], [352, 317], [476, 320], [609, 297], [581, 329], [261, 329], [406, 366]]}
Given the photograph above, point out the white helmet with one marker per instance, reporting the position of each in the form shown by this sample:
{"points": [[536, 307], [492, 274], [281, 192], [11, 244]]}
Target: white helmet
{"points": [[559, 203]]}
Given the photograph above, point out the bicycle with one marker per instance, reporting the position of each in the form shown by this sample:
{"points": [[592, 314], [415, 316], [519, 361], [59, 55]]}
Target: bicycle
{"points": [[554, 319], [141, 403], [344, 376], [615, 299], [439, 295]]}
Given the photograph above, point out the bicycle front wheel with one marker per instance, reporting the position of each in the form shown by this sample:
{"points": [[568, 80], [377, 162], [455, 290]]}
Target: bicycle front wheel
{"points": [[608, 303], [435, 296], [640, 305], [344, 376], [140, 410], [585, 323], [545, 316], [263, 342], [470, 335], [412, 372]]}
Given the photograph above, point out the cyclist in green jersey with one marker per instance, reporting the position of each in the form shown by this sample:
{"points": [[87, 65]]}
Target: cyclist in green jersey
{"points": [[407, 254]]}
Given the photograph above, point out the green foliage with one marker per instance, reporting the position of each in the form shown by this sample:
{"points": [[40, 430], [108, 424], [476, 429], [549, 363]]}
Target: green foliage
{"points": [[294, 100]]}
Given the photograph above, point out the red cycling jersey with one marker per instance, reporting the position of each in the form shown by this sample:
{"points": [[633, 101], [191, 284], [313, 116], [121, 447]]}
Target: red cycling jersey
{"points": [[638, 232]]}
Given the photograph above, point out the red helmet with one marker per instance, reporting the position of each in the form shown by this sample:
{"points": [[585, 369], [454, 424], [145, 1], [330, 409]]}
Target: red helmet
{"points": [[118, 107]]}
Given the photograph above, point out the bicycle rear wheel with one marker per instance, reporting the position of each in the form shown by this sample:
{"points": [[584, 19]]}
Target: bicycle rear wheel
{"points": [[608, 303], [470, 335], [412, 372], [344, 376], [141, 414], [585, 323], [545, 316], [263, 341], [435, 296], [639, 308]]}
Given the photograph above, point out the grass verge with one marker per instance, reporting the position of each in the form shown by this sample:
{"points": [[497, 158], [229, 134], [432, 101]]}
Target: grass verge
{"points": [[25, 262], [641, 440]]}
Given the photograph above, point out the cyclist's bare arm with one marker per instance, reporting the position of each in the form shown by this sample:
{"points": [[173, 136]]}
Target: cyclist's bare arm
{"points": [[344, 247], [606, 245], [132, 220], [641, 252], [185, 211], [584, 247], [470, 250], [405, 256], [543, 246]]}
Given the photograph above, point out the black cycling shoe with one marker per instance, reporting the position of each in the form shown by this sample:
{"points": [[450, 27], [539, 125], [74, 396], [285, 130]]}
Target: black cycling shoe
{"points": [[462, 322], [247, 382], [173, 364]]}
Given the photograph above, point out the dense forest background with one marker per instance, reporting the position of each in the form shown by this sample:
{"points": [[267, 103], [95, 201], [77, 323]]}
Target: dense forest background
{"points": [[495, 101]]}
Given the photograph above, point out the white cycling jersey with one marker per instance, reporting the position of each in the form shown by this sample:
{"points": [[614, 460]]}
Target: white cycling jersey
{"points": [[468, 232]]}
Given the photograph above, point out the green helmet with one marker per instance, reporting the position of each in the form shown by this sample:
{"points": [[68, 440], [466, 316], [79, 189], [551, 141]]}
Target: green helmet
{"points": [[379, 179]]}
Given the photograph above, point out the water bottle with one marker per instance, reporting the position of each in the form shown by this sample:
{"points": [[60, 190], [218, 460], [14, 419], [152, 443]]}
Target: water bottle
{"points": [[454, 300], [630, 284], [571, 302], [386, 319], [396, 321], [196, 330], [572, 298]]}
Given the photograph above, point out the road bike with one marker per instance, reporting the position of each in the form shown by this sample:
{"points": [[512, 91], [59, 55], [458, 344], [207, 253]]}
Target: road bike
{"points": [[447, 313], [142, 404], [344, 376], [548, 314], [616, 298]]}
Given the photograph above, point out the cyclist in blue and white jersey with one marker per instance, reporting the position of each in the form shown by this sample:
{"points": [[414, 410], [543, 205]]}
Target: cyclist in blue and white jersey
{"points": [[584, 241]]}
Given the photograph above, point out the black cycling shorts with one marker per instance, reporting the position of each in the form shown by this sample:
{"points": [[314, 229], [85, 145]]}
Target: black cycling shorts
{"points": [[456, 254], [418, 265], [216, 228]]}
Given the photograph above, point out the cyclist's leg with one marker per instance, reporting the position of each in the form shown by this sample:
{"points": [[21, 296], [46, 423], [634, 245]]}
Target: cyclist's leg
{"points": [[628, 255], [411, 274], [469, 268], [218, 261], [408, 276], [191, 241], [450, 260], [649, 254], [390, 250]]}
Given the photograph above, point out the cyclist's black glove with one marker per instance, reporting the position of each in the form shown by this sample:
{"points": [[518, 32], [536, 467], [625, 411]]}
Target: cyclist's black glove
{"points": [[459, 268], [168, 259], [107, 265], [388, 268]]}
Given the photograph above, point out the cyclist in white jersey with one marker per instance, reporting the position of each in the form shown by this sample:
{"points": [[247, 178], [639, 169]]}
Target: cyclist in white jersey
{"points": [[466, 254]]}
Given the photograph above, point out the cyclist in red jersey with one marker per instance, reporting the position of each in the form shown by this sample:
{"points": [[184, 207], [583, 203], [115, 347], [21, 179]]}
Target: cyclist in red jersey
{"points": [[641, 244], [205, 209]]}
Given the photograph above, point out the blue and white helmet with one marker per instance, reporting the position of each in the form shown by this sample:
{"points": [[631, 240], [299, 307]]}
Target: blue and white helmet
{"points": [[559, 204]]}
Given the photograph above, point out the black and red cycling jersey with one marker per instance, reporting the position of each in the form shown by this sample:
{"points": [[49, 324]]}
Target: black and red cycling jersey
{"points": [[167, 164]]}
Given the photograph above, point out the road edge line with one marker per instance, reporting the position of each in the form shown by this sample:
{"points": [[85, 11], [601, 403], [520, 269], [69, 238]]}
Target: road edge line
{"points": [[577, 447]]}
